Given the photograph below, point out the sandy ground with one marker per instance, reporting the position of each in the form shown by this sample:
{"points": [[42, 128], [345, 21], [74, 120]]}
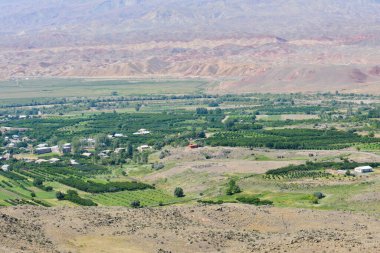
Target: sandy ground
{"points": [[218, 228]]}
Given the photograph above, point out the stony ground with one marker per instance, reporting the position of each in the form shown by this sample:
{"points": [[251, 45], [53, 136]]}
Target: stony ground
{"points": [[217, 228]]}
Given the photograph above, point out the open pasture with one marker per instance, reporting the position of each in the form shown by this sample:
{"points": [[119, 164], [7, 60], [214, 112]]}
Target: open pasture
{"points": [[146, 197], [27, 90]]}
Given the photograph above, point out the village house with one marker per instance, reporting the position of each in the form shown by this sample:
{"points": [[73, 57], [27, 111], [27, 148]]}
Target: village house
{"points": [[118, 150], [66, 148], [142, 131], [73, 162], [54, 160], [87, 154], [6, 157], [143, 148], [363, 169], [5, 167], [39, 161], [44, 150]]}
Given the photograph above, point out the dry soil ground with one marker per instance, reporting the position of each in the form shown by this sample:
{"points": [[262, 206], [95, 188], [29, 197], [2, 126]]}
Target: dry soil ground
{"points": [[217, 228]]}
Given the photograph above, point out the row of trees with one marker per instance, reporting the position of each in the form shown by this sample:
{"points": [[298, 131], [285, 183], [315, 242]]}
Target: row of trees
{"points": [[93, 187], [290, 139], [74, 197]]}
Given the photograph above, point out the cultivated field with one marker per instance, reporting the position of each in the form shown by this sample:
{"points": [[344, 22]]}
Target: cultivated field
{"points": [[187, 171], [27, 90]]}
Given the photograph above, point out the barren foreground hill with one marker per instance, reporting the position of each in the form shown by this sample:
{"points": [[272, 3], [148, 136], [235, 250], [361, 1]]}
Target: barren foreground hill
{"points": [[247, 45], [217, 228]]}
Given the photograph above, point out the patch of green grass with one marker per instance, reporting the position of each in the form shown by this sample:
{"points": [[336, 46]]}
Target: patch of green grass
{"points": [[5, 194], [280, 199], [271, 117], [149, 197], [261, 157], [41, 89], [341, 197], [138, 170]]}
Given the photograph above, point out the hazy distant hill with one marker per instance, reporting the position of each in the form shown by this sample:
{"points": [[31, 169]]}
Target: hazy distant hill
{"points": [[263, 43], [126, 20]]}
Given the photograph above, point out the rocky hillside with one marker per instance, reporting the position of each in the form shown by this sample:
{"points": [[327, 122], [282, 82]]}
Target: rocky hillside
{"points": [[216, 228]]}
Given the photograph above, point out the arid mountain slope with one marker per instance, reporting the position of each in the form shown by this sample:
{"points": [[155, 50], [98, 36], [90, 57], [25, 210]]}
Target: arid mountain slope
{"points": [[251, 45]]}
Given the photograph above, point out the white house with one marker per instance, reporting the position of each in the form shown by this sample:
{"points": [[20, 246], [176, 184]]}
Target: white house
{"points": [[5, 167], [87, 154], [73, 162], [118, 150], [363, 169], [143, 148], [142, 131], [39, 161], [54, 160]]}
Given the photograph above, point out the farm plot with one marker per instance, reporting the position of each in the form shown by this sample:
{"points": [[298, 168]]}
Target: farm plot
{"points": [[49, 88], [290, 139], [287, 117], [147, 198]]}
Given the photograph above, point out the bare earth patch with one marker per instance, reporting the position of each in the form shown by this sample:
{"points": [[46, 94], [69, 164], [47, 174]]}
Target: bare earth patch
{"points": [[237, 153], [221, 167]]}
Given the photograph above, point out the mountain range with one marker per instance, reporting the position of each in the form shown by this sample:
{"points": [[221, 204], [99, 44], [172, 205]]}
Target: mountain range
{"points": [[247, 45]]}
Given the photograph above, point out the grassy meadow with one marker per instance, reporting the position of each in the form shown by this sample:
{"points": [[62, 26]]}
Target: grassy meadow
{"points": [[33, 89]]}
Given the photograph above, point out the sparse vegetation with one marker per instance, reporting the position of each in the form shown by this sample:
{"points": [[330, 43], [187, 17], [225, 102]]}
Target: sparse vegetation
{"points": [[232, 187]]}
